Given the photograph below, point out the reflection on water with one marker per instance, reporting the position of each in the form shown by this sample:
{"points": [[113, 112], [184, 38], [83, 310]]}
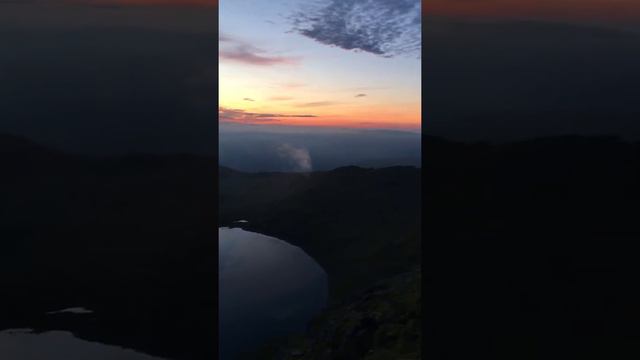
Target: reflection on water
{"points": [[23, 344], [267, 288]]}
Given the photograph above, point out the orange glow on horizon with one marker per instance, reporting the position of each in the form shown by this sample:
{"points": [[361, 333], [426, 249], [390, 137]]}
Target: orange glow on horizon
{"points": [[325, 123], [405, 119], [250, 102]]}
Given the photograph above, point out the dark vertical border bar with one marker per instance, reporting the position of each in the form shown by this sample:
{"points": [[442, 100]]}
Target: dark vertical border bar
{"points": [[216, 174]]}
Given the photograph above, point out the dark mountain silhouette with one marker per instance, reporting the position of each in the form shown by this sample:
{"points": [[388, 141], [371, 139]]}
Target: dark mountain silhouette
{"points": [[529, 253], [531, 248], [363, 226], [131, 238], [359, 224]]}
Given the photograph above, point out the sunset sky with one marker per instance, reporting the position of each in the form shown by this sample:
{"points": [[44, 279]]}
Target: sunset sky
{"points": [[272, 72], [293, 62]]}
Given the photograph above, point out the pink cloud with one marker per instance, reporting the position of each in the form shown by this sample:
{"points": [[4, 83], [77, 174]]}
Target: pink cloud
{"points": [[242, 52]]}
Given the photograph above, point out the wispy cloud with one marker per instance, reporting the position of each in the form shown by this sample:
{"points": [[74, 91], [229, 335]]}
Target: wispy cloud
{"points": [[367, 88], [316, 104], [242, 116], [381, 27], [248, 99], [242, 52], [251, 56], [291, 85], [361, 95], [280, 98]]}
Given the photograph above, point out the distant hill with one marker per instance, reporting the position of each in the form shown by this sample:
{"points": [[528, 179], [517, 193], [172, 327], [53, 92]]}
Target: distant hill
{"points": [[279, 148]]}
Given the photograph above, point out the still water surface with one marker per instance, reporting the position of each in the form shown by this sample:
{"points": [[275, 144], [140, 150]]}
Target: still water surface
{"points": [[23, 344], [267, 288]]}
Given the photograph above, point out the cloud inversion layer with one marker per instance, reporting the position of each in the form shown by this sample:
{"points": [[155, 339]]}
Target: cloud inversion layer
{"points": [[381, 27]]}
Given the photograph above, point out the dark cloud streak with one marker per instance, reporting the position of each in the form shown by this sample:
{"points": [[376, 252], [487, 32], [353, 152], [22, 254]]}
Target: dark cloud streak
{"points": [[227, 115], [316, 104]]}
